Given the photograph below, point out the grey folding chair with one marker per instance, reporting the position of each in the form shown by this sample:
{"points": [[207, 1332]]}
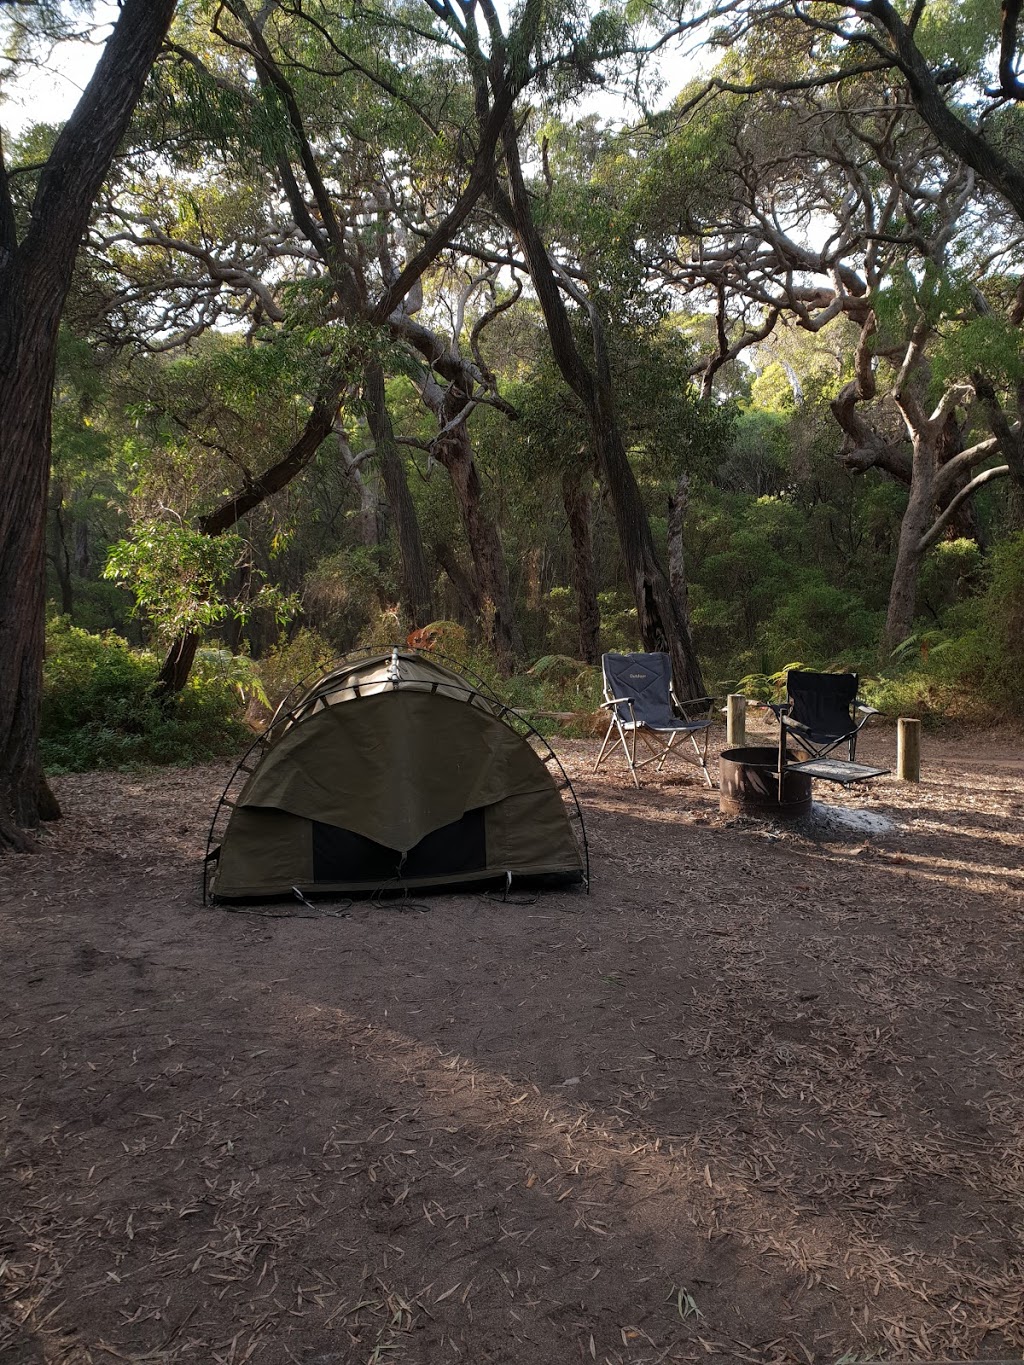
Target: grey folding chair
{"points": [[640, 698]]}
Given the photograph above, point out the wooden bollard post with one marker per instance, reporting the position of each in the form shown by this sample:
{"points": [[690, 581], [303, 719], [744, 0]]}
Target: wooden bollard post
{"points": [[908, 749], [735, 720]]}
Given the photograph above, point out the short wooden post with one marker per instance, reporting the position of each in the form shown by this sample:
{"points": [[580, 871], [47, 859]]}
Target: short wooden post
{"points": [[735, 720], [908, 749]]}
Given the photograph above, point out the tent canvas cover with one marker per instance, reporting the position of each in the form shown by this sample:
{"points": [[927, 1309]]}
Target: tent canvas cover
{"points": [[391, 772]]}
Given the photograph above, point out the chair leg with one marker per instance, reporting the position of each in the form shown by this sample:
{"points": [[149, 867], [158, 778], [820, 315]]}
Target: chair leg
{"points": [[781, 765], [630, 752], [702, 758], [631, 756], [611, 727], [666, 751]]}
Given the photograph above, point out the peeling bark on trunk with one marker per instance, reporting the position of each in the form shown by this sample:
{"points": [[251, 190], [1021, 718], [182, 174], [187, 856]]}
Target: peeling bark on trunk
{"points": [[578, 503], [413, 574]]}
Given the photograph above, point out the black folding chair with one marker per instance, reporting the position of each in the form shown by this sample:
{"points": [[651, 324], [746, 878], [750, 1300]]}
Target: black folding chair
{"points": [[820, 712], [639, 694]]}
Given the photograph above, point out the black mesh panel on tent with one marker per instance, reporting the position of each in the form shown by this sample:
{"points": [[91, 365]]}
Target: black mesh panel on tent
{"points": [[339, 855]]}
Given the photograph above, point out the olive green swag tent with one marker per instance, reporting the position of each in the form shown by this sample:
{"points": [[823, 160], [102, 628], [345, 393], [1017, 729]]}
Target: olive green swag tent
{"points": [[392, 771]]}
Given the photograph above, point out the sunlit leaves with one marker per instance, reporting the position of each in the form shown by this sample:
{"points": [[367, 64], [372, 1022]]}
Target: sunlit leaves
{"points": [[180, 578]]}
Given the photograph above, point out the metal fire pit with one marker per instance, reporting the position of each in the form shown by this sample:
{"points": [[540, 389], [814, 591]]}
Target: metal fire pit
{"points": [[750, 785]]}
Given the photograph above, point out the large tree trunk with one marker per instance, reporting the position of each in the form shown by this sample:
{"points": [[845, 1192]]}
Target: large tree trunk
{"points": [[177, 665], [414, 576], [35, 275], [920, 513], [578, 504], [61, 557], [663, 626], [677, 505], [466, 591], [454, 451], [26, 381], [498, 622]]}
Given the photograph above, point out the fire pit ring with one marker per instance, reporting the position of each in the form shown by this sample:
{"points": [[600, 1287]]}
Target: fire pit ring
{"points": [[749, 785]]}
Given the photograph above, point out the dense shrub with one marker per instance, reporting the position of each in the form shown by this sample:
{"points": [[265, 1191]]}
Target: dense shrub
{"points": [[100, 709], [294, 661], [984, 653]]}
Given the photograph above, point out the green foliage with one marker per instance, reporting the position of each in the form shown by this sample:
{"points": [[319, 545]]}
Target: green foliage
{"points": [[100, 709], [986, 660], [619, 630], [952, 572], [989, 345], [180, 577], [760, 593], [766, 686], [343, 595], [292, 661]]}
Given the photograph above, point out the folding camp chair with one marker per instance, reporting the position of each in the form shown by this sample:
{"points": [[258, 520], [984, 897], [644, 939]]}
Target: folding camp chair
{"points": [[639, 694], [820, 712], [820, 715]]}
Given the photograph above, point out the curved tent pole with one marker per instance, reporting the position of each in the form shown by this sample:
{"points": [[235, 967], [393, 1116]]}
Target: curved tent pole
{"points": [[551, 756], [356, 655]]}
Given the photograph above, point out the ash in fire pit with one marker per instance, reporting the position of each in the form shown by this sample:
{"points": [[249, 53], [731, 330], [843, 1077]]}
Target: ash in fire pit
{"points": [[750, 785]]}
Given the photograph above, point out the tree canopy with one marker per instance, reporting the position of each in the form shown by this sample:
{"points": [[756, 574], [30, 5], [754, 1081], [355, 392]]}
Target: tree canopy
{"points": [[367, 321]]}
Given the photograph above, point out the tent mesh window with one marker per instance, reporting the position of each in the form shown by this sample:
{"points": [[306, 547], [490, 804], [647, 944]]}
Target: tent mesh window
{"points": [[392, 771]]}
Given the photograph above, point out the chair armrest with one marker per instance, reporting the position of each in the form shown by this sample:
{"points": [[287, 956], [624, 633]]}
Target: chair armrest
{"points": [[707, 702], [866, 712], [617, 701]]}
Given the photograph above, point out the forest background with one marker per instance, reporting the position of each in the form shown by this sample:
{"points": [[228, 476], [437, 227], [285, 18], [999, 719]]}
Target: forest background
{"points": [[377, 332]]}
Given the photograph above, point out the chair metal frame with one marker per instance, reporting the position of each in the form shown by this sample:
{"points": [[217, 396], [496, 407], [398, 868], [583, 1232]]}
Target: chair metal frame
{"points": [[626, 727]]}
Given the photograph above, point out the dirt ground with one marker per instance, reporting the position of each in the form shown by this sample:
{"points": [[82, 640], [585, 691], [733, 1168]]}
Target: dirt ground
{"points": [[757, 1097]]}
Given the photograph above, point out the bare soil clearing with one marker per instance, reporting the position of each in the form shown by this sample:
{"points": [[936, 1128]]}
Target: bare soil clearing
{"points": [[758, 1097]]}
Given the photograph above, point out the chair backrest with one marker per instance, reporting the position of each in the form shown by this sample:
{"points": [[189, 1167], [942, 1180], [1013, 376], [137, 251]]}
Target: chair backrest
{"points": [[646, 679], [823, 701]]}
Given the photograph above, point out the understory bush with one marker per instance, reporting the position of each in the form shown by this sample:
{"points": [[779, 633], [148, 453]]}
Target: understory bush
{"points": [[100, 708]]}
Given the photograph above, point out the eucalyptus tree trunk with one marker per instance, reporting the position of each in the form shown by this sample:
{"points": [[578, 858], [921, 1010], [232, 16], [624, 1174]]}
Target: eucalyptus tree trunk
{"points": [[678, 502], [27, 345], [663, 622], [578, 504], [453, 449], [466, 591], [498, 622], [35, 275], [414, 576], [917, 520]]}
